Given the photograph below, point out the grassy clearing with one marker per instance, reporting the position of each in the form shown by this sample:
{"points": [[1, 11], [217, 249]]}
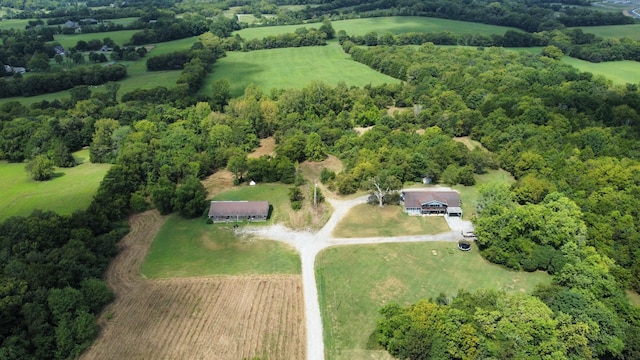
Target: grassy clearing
{"points": [[186, 248], [120, 37], [366, 220], [355, 281], [631, 31], [72, 189], [620, 72], [382, 25], [14, 24], [469, 143], [634, 297], [292, 68]]}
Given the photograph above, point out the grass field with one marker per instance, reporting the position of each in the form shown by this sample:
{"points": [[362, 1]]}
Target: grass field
{"points": [[14, 24], [355, 281], [185, 248], [620, 72], [382, 25], [120, 37], [292, 68], [137, 75], [631, 31], [70, 190], [366, 220]]}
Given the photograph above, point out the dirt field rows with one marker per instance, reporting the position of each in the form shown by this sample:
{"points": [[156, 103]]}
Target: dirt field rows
{"points": [[230, 317], [208, 318]]}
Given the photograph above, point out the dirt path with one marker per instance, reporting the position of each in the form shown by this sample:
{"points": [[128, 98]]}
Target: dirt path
{"points": [[310, 244], [123, 275]]}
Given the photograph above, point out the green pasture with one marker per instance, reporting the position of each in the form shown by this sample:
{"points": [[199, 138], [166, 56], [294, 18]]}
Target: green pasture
{"points": [[120, 37], [382, 25], [71, 189], [185, 248], [367, 220], [620, 72], [355, 281], [14, 24], [632, 31], [123, 21], [137, 75], [292, 68]]}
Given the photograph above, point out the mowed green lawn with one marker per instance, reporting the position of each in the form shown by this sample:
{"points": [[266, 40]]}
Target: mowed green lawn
{"points": [[292, 68], [355, 281], [367, 220], [383, 25], [72, 188], [186, 248]]}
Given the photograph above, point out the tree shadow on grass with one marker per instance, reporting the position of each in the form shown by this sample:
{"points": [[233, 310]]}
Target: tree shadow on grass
{"points": [[57, 175]]}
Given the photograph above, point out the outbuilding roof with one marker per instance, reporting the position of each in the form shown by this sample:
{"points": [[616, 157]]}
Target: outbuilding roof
{"points": [[239, 208], [415, 199]]}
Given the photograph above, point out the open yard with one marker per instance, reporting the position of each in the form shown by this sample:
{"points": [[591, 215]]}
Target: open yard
{"points": [[185, 248], [355, 281], [292, 68], [72, 188], [366, 220]]}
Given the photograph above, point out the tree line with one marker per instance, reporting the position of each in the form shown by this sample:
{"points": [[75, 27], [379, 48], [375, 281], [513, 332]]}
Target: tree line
{"points": [[36, 84], [572, 42], [529, 16]]}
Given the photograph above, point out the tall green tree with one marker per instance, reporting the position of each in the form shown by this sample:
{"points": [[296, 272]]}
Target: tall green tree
{"points": [[190, 198], [40, 168]]}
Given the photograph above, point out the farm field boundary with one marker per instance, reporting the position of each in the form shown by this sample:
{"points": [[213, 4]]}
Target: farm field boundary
{"points": [[223, 317]]}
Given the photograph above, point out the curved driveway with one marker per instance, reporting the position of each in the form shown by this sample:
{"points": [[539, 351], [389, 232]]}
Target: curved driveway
{"points": [[310, 244]]}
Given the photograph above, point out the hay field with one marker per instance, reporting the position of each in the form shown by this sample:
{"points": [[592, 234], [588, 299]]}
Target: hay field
{"points": [[292, 68]]}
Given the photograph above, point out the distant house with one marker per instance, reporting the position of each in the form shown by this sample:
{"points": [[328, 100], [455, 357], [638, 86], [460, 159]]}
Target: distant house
{"points": [[14, 69], [227, 211], [432, 202], [59, 50], [71, 24]]}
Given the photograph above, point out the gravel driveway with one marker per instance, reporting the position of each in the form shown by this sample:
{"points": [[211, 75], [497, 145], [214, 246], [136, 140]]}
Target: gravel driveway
{"points": [[310, 244]]}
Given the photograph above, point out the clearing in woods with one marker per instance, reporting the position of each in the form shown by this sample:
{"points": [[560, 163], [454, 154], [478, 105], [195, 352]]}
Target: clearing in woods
{"points": [[223, 317]]}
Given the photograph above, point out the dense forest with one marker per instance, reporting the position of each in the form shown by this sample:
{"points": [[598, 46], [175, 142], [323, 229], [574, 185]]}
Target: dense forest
{"points": [[569, 138]]}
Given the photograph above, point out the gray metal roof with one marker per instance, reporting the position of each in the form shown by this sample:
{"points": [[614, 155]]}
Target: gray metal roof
{"points": [[239, 208], [415, 199]]}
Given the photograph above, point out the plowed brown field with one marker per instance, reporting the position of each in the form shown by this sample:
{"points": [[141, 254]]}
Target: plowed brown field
{"points": [[226, 317]]}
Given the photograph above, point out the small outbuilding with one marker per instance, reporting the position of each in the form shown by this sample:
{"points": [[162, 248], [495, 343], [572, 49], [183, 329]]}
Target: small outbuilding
{"points": [[432, 202], [232, 211]]}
